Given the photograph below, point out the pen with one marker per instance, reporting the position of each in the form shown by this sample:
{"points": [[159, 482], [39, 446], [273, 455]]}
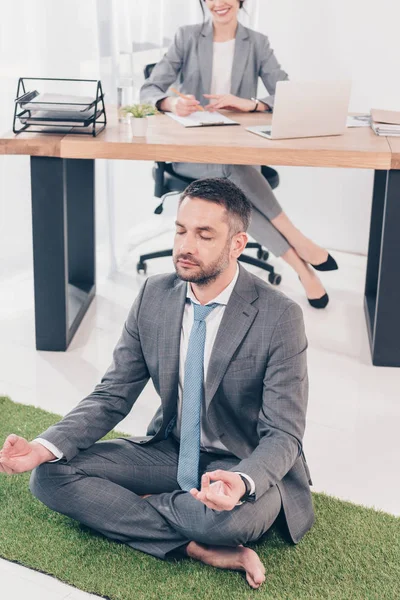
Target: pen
{"points": [[183, 96]]}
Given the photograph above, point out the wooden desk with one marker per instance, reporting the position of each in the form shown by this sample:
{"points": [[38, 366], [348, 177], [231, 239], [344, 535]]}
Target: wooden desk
{"points": [[394, 143], [62, 175], [359, 148]]}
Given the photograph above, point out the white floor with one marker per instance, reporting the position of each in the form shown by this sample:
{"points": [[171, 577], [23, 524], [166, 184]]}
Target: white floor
{"points": [[352, 443]]}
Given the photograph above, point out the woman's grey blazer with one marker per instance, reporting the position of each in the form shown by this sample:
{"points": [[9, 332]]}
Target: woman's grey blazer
{"points": [[188, 65]]}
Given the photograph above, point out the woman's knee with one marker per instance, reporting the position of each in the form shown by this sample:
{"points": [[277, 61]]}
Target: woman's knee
{"points": [[239, 174]]}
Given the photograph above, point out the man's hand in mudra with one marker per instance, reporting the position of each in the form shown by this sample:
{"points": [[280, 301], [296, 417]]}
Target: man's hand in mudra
{"points": [[225, 491]]}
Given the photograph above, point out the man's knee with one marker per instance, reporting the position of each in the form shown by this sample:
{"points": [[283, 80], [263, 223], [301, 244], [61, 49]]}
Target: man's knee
{"points": [[246, 523], [227, 170], [222, 529], [45, 481]]}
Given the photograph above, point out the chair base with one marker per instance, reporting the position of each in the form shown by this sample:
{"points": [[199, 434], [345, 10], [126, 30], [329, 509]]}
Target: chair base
{"points": [[260, 261]]}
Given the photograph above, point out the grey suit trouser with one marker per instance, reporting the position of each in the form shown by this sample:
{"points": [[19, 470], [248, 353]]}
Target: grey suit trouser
{"points": [[101, 488], [258, 191]]}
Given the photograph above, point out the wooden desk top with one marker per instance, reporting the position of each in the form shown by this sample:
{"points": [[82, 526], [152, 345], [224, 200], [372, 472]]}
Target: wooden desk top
{"points": [[167, 140], [394, 143], [33, 144]]}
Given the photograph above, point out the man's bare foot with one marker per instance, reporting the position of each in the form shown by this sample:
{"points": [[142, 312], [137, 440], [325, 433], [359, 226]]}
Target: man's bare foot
{"points": [[224, 557]]}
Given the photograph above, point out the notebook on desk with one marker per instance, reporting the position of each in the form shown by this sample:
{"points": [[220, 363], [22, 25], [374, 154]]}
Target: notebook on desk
{"points": [[203, 119], [385, 122]]}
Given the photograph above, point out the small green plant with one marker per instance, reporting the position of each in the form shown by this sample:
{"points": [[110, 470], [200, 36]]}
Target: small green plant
{"points": [[139, 111]]}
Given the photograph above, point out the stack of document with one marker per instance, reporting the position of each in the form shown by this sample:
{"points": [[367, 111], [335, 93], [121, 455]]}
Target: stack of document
{"points": [[385, 122], [59, 109]]}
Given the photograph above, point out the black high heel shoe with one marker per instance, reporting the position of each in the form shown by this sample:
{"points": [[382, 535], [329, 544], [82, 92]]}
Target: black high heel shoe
{"points": [[329, 265], [319, 302]]}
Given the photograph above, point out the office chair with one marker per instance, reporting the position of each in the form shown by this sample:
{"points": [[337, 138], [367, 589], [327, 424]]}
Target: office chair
{"points": [[167, 182]]}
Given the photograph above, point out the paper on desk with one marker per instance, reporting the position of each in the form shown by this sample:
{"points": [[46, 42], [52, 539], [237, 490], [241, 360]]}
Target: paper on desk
{"points": [[202, 119], [59, 102], [359, 121]]}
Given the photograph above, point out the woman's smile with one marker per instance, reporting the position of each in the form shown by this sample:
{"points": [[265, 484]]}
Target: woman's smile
{"points": [[221, 12]]}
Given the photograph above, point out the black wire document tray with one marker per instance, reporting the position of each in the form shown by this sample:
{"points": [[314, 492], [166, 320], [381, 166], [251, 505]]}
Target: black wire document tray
{"points": [[55, 109]]}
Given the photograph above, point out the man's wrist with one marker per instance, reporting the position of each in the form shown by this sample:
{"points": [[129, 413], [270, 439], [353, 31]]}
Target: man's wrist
{"points": [[246, 489], [44, 454]]}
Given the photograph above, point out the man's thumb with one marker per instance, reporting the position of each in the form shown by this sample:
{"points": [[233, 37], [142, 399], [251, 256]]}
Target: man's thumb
{"points": [[11, 440]]}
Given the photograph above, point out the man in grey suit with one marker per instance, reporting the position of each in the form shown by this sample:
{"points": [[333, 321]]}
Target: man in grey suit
{"points": [[223, 455]]}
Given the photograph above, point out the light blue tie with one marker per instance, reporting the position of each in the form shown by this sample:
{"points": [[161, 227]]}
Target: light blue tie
{"points": [[193, 392]]}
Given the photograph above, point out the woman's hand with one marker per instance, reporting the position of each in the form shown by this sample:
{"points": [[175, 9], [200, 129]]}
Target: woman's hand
{"points": [[183, 107], [224, 493], [229, 102], [18, 455]]}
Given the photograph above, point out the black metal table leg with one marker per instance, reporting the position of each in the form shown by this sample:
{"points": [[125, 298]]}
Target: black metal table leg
{"points": [[63, 247], [382, 287]]}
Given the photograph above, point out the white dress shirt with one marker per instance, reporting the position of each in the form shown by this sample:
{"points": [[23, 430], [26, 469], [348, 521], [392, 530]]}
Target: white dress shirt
{"points": [[208, 441]]}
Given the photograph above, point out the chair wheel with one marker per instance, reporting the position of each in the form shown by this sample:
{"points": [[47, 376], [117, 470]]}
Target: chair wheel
{"points": [[141, 266], [274, 278], [263, 255]]}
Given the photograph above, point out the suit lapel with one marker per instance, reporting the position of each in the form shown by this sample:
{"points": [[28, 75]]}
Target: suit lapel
{"points": [[240, 58], [238, 317], [205, 56], [169, 337]]}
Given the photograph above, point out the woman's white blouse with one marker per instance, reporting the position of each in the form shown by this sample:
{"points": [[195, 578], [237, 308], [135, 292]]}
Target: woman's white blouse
{"points": [[222, 67]]}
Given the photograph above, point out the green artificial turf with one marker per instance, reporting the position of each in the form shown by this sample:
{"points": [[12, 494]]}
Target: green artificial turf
{"points": [[350, 553]]}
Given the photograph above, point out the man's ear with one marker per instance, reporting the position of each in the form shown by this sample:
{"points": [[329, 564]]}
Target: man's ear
{"points": [[239, 242]]}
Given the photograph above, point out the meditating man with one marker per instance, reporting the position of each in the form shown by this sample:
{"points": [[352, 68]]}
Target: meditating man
{"points": [[223, 454]]}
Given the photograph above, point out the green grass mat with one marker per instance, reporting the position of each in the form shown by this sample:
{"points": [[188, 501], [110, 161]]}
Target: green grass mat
{"points": [[351, 552]]}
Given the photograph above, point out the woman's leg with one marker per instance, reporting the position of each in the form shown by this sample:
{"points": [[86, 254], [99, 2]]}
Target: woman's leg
{"points": [[267, 218], [305, 248]]}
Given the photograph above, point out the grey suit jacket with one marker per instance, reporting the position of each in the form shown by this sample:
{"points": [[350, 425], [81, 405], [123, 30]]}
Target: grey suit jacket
{"points": [[188, 64], [256, 388]]}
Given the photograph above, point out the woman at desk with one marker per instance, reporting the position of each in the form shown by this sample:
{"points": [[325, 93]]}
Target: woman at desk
{"points": [[218, 64]]}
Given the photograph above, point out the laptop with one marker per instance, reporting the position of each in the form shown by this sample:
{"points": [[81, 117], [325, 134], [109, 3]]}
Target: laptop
{"points": [[307, 109]]}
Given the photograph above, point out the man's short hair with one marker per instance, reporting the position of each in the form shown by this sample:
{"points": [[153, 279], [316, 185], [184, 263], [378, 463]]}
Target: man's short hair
{"points": [[222, 191]]}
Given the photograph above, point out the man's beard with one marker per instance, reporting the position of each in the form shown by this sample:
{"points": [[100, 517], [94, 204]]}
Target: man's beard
{"points": [[204, 274]]}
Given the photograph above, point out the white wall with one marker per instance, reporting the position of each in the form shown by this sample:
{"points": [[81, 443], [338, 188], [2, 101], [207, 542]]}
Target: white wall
{"points": [[312, 40], [38, 38], [315, 40]]}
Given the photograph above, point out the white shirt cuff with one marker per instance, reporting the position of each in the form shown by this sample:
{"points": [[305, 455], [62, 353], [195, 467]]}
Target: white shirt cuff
{"points": [[50, 447]]}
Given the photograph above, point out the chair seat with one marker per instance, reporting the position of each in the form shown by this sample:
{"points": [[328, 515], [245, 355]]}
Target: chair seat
{"points": [[173, 182], [271, 176]]}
